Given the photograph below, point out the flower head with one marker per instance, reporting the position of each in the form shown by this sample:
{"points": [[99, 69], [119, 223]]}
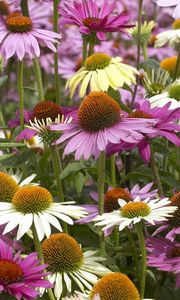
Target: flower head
{"points": [[67, 262], [99, 121], [34, 204], [20, 277], [166, 3], [19, 36], [135, 211], [115, 286], [171, 37], [169, 64], [92, 20], [101, 71], [164, 254]]}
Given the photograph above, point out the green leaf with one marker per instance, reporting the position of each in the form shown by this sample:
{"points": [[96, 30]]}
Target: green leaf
{"points": [[72, 168], [79, 181], [11, 145]]}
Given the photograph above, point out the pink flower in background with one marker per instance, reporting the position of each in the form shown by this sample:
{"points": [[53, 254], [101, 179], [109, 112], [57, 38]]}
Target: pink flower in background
{"points": [[92, 19], [167, 3], [21, 277], [18, 36]]}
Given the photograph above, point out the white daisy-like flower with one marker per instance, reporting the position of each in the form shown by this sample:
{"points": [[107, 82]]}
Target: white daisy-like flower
{"points": [[171, 37], [101, 71], [133, 212], [172, 95], [68, 263], [35, 205]]}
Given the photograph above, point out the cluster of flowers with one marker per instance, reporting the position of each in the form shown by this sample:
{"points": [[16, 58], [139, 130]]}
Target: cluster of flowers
{"points": [[121, 102]]}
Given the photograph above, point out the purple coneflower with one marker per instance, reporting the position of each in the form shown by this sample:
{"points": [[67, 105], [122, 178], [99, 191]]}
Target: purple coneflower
{"points": [[91, 19], [164, 255], [19, 36], [100, 121], [21, 277], [166, 126]]}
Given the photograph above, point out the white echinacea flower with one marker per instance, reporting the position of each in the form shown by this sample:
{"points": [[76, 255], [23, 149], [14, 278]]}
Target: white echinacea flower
{"points": [[35, 205], [133, 212]]}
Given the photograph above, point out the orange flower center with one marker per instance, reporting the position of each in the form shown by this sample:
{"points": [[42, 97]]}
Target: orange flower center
{"points": [[175, 199], [176, 24], [98, 111], [19, 24], [9, 271], [88, 22], [62, 253], [8, 187], [169, 64], [112, 196], [175, 252], [115, 286], [135, 209], [47, 109], [140, 114]]}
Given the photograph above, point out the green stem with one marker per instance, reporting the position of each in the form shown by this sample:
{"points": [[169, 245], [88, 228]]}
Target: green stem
{"points": [[91, 48], [24, 8], [113, 170], [57, 167], [116, 236], [56, 68], [84, 51], [38, 75], [139, 229], [38, 249], [21, 93], [134, 252], [101, 182], [156, 174], [145, 53], [177, 69], [140, 7]]}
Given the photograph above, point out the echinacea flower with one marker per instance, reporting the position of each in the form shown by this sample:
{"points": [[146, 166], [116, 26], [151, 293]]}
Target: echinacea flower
{"points": [[20, 277], [171, 37], [10, 183], [115, 286], [111, 198], [101, 71], [169, 64], [130, 213], [19, 36], [92, 20], [166, 3], [68, 263], [163, 254], [166, 126], [172, 226], [35, 205], [99, 121], [38, 120]]}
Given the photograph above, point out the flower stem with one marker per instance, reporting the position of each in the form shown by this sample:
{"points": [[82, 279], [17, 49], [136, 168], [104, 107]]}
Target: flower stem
{"points": [[91, 48], [139, 229], [177, 69], [84, 51], [138, 48], [113, 170], [24, 8], [38, 249], [156, 174], [38, 75], [101, 182], [57, 167], [133, 249], [21, 93], [144, 48], [56, 69]]}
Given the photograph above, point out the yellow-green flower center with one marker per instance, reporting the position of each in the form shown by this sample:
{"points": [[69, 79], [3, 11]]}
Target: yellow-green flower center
{"points": [[10, 271], [62, 253], [98, 111], [112, 196], [176, 24], [97, 61], [32, 199], [19, 24], [115, 286], [174, 92], [8, 187], [135, 209]]}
